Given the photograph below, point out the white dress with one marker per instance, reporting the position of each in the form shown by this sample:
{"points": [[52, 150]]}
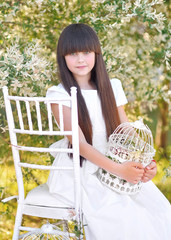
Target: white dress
{"points": [[109, 215]]}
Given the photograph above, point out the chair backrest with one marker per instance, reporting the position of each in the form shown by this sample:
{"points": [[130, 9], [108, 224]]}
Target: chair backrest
{"points": [[19, 117]]}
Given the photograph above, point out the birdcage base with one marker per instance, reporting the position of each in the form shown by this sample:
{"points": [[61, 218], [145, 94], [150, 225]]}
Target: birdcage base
{"points": [[117, 184]]}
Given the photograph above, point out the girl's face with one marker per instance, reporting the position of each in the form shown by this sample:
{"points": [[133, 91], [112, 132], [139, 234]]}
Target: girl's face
{"points": [[80, 64]]}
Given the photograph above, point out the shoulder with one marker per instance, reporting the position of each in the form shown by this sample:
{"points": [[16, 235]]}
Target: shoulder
{"points": [[118, 92], [56, 89], [115, 82], [58, 93]]}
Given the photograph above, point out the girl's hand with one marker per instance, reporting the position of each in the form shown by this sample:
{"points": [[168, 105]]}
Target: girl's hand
{"points": [[131, 171], [149, 172]]}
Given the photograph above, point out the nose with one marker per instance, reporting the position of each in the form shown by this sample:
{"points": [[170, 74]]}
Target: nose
{"points": [[80, 57]]}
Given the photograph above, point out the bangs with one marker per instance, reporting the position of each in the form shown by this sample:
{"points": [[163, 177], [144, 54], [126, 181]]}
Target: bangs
{"points": [[78, 38]]}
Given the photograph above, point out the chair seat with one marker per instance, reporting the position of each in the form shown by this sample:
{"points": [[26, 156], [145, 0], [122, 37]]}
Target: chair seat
{"points": [[39, 202], [40, 196]]}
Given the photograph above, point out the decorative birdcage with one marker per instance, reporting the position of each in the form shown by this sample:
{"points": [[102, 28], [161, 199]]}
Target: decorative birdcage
{"points": [[47, 231], [131, 141]]}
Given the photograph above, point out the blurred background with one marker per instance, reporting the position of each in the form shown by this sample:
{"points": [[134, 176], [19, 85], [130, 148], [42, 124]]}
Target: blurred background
{"points": [[135, 39]]}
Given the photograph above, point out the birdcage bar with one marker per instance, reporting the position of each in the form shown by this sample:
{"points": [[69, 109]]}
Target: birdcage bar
{"points": [[131, 133]]}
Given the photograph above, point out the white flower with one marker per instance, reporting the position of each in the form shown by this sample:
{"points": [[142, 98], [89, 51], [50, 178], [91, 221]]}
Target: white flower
{"points": [[97, 1], [3, 83], [39, 2], [16, 84], [78, 18], [4, 74]]}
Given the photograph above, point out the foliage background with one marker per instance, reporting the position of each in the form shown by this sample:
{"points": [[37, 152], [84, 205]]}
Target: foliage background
{"points": [[135, 39]]}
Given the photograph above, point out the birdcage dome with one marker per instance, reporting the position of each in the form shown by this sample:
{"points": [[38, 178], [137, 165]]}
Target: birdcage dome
{"points": [[131, 141], [47, 231]]}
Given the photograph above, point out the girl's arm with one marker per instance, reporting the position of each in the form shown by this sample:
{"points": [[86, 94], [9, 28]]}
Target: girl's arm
{"points": [[130, 171], [122, 114], [151, 170]]}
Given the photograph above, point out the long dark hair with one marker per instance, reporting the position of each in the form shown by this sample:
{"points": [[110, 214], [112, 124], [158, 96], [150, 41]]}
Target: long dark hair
{"points": [[82, 38]]}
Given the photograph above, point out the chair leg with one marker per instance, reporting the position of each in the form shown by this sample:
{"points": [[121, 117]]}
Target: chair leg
{"points": [[81, 226], [18, 220]]}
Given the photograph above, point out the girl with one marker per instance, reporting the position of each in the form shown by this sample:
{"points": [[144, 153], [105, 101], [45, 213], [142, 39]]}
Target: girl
{"points": [[108, 215]]}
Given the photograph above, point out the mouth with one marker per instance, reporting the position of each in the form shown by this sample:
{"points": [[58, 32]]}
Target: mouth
{"points": [[80, 67]]}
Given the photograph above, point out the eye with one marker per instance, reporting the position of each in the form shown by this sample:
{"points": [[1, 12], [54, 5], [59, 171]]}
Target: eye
{"points": [[86, 52], [73, 54]]}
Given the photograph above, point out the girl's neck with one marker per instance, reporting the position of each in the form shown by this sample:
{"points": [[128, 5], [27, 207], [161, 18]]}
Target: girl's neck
{"points": [[89, 86], [85, 84]]}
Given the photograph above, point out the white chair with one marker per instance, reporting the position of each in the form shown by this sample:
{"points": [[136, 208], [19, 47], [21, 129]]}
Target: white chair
{"points": [[48, 206]]}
